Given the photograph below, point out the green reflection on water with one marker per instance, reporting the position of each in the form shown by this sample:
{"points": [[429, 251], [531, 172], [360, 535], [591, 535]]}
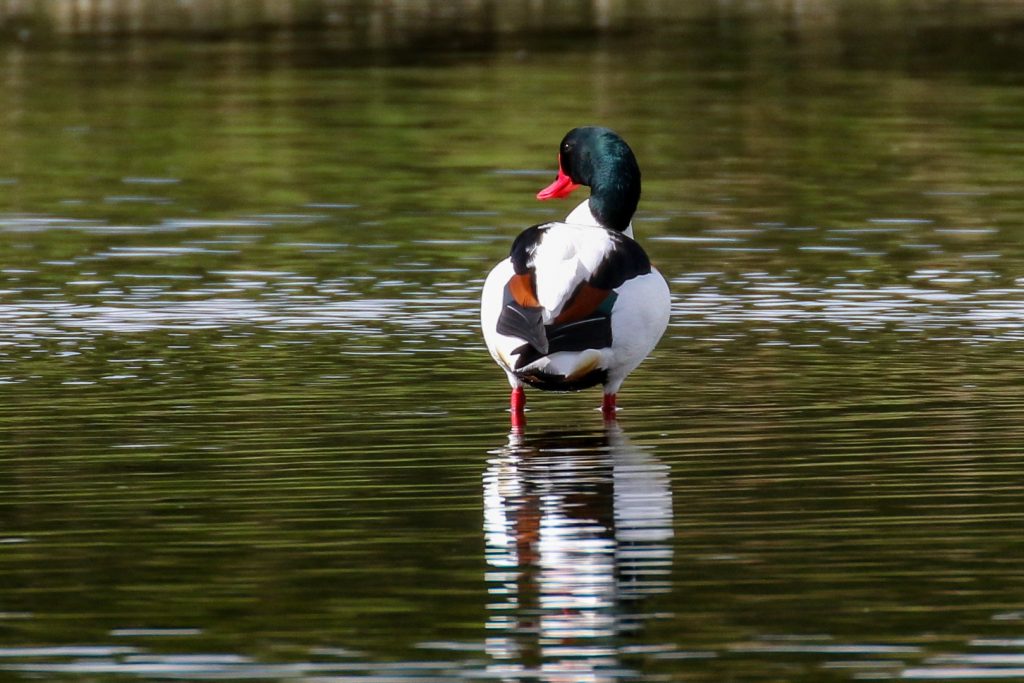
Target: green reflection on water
{"points": [[246, 404]]}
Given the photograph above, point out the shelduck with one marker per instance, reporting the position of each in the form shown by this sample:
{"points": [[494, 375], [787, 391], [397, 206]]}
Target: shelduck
{"points": [[577, 303]]}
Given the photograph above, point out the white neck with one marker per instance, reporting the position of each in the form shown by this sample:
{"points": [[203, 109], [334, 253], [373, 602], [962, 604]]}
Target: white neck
{"points": [[582, 215]]}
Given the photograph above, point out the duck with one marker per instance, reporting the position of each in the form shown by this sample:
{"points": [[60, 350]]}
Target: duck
{"points": [[577, 303]]}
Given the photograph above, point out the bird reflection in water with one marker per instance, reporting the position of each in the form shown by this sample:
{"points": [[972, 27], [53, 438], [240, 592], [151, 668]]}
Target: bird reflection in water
{"points": [[578, 529]]}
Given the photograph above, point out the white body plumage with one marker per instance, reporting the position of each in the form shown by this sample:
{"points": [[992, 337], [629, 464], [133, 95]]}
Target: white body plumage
{"points": [[569, 255]]}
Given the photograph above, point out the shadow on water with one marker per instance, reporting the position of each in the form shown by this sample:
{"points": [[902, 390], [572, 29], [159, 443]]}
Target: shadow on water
{"points": [[579, 529]]}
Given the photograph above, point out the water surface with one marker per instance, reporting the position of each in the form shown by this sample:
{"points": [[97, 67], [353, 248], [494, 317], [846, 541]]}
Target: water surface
{"points": [[250, 430]]}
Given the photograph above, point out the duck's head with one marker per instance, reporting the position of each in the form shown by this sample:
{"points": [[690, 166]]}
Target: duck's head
{"points": [[600, 159]]}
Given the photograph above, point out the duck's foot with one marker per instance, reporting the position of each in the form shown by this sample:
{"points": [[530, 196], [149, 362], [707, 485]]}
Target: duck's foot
{"points": [[517, 407], [608, 408]]}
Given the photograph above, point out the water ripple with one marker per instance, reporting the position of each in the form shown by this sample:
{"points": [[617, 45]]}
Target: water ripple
{"points": [[980, 316]]}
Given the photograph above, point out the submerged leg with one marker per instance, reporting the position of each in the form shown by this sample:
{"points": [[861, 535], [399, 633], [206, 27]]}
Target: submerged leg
{"points": [[517, 407], [608, 407]]}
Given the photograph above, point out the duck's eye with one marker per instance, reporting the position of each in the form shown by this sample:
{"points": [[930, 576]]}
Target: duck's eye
{"points": [[566, 147]]}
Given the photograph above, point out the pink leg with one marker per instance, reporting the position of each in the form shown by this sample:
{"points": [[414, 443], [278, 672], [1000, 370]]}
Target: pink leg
{"points": [[608, 407], [517, 406]]}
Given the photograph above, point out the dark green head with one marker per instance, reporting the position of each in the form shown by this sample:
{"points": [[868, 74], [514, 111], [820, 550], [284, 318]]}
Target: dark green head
{"points": [[600, 159]]}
